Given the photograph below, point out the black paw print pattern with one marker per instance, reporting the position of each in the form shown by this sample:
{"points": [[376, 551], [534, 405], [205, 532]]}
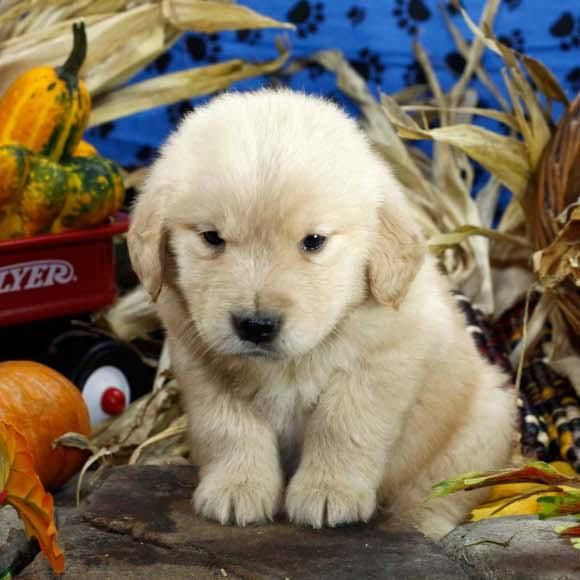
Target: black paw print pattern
{"points": [[202, 47], [451, 9], [369, 65], [161, 63], [513, 4], [145, 154], [567, 29], [410, 13], [251, 37], [414, 75], [455, 62], [307, 16], [105, 129], [356, 15], [177, 111], [315, 70], [573, 79], [514, 40]]}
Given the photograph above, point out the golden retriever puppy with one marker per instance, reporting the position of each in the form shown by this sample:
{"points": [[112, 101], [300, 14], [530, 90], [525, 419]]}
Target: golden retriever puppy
{"points": [[324, 365]]}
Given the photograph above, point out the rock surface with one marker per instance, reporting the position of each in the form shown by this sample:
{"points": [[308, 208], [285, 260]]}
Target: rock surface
{"points": [[16, 550], [514, 548], [139, 524]]}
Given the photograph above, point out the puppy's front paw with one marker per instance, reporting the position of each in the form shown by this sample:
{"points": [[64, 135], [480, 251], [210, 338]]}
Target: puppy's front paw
{"points": [[237, 499], [317, 501]]}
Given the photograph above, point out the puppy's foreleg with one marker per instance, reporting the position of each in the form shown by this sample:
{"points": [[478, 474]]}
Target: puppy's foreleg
{"points": [[240, 475], [344, 455]]}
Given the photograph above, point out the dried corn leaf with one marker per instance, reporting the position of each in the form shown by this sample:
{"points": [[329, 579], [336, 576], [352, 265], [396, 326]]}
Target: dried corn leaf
{"points": [[561, 259], [123, 36], [452, 215], [144, 418], [463, 48], [440, 242], [209, 16], [131, 316], [505, 118], [486, 201], [544, 79], [484, 36], [513, 220], [531, 119], [542, 76], [177, 428], [475, 53], [425, 63], [122, 45], [555, 186], [503, 157], [170, 88]]}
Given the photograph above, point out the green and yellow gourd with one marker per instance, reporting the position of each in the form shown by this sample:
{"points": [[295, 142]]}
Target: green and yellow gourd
{"points": [[46, 109], [51, 180], [94, 191], [14, 171], [52, 197]]}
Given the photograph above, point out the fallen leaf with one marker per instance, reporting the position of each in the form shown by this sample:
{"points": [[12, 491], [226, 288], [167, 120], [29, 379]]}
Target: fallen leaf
{"points": [[559, 505], [564, 530], [534, 472], [21, 488]]}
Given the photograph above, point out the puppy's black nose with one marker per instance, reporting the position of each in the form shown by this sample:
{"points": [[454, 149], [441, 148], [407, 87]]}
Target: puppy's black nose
{"points": [[257, 327]]}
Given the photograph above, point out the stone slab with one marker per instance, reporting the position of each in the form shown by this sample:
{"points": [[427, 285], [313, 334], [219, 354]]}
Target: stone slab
{"points": [[16, 550], [139, 524], [514, 548]]}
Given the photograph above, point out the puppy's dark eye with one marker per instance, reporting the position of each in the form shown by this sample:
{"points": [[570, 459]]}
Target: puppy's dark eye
{"points": [[313, 242], [213, 239]]}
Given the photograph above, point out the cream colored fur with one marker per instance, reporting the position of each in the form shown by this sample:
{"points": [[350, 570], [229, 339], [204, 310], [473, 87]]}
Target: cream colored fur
{"points": [[374, 390]]}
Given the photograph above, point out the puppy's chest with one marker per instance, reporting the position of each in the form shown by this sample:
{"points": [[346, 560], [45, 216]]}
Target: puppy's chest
{"points": [[286, 404]]}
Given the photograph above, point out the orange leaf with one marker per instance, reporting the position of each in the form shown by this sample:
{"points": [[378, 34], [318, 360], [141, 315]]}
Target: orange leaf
{"points": [[21, 488]]}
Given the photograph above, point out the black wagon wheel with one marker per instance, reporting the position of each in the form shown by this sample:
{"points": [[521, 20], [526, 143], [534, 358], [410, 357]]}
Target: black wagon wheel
{"points": [[109, 373]]}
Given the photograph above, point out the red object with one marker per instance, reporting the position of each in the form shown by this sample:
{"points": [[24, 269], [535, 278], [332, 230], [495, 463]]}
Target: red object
{"points": [[3, 497], [58, 274], [113, 401]]}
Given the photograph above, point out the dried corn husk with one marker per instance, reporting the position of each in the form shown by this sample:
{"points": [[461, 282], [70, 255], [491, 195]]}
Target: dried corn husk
{"points": [[553, 212], [124, 36], [174, 87]]}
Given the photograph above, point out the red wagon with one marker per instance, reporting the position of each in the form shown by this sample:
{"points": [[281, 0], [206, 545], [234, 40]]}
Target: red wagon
{"points": [[58, 274], [62, 275]]}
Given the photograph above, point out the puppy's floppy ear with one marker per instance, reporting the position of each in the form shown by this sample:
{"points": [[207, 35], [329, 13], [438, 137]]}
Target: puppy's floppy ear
{"points": [[147, 240], [398, 249]]}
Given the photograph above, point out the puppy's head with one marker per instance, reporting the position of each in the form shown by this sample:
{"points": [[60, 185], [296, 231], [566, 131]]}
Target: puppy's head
{"points": [[280, 220]]}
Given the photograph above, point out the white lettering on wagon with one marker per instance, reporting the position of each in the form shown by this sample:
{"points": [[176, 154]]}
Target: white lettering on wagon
{"points": [[35, 274]]}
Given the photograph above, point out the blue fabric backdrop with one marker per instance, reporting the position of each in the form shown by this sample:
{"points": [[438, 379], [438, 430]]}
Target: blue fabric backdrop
{"points": [[375, 35]]}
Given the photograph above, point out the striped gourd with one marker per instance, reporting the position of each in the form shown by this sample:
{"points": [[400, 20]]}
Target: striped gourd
{"points": [[14, 169], [44, 196], [47, 109], [94, 192]]}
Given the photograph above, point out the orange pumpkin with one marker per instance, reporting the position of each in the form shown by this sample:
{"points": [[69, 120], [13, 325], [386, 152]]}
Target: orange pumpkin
{"points": [[43, 405]]}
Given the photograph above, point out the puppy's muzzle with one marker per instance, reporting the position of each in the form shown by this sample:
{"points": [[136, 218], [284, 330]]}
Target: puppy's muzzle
{"points": [[256, 327]]}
